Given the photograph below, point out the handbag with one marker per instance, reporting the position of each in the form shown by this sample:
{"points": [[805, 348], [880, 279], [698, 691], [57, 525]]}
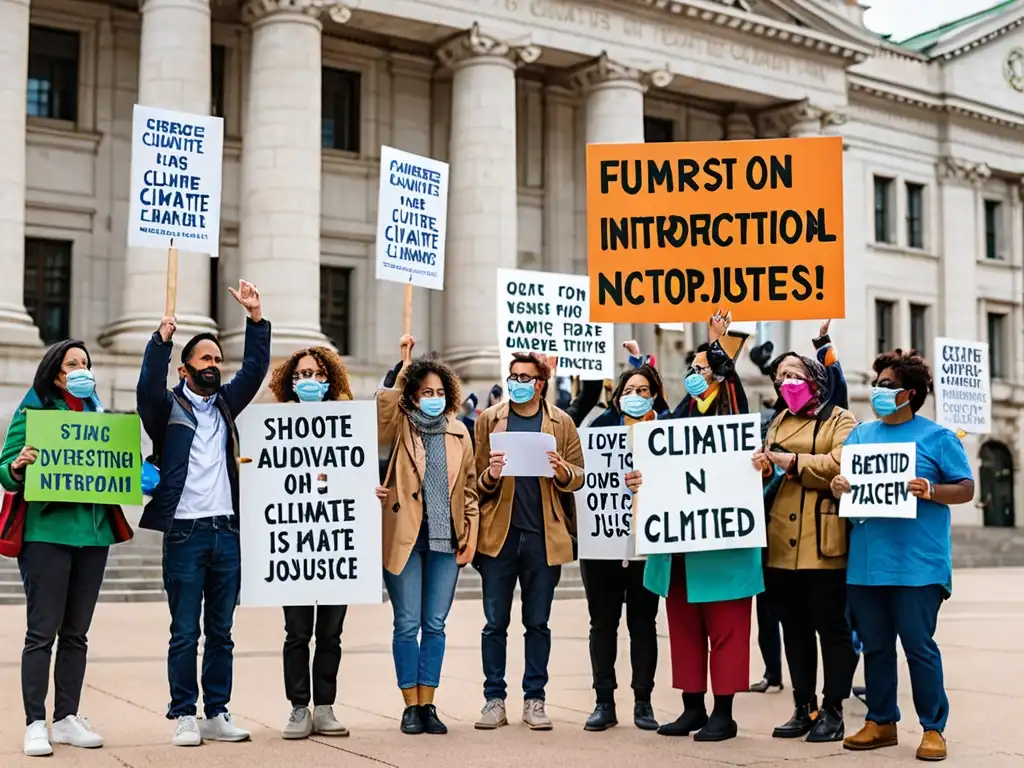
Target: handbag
{"points": [[12, 523]]}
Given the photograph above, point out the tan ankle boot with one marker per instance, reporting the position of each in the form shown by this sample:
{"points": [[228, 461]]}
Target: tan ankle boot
{"points": [[873, 736], [933, 747]]}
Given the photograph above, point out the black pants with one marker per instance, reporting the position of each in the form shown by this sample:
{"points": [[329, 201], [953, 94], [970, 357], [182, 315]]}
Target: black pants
{"points": [[301, 624], [608, 585], [768, 639], [62, 585], [813, 603]]}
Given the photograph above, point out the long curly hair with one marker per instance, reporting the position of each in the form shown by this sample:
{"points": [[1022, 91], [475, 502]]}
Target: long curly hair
{"points": [[328, 360], [418, 370]]}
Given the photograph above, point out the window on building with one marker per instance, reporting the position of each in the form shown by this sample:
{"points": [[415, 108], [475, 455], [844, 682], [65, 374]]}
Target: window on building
{"points": [[885, 326], [919, 328], [883, 210], [52, 73], [48, 286], [657, 129], [993, 229], [340, 100], [336, 305], [915, 215], [997, 361], [218, 63]]}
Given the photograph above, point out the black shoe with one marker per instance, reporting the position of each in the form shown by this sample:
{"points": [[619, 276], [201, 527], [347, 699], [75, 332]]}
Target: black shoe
{"points": [[766, 686], [643, 716], [718, 728], [412, 723], [602, 719], [691, 720], [798, 726], [828, 726], [431, 722]]}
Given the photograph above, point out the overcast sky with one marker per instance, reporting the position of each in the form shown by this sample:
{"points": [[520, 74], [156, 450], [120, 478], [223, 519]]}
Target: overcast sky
{"points": [[905, 18]]}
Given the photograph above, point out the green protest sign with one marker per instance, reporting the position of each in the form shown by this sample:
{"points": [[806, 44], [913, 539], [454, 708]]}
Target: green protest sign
{"points": [[84, 457]]}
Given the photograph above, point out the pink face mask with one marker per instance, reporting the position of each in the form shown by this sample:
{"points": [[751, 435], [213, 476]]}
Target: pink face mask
{"points": [[796, 393]]}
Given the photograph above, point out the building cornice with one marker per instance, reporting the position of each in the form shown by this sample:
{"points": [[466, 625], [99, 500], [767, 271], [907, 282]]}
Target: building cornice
{"points": [[953, 50]]}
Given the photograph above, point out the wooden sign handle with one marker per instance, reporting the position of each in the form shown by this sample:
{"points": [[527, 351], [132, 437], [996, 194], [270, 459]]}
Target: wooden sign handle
{"points": [[407, 311], [172, 282]]}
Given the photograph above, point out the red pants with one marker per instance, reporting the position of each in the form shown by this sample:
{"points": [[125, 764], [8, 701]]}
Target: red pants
{"points": [[692, 627]]}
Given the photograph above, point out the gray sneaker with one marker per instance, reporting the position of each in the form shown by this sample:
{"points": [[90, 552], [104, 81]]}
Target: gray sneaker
{"points": [[325, 723], [535, 716], [492, 715], [300, 724], [186, 734]]}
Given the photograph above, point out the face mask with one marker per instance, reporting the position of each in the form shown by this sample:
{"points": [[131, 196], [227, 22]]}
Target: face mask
{"points": [[796, 393], [636, 406], [432, 406], [883, 401], [520, 393], [696, 385], [80, 383], [208, 379], [311, 390]]}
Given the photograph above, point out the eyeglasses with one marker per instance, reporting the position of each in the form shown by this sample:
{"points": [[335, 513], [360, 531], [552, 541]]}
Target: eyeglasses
{"points": [[701, 369], [642, 391], [299, 375], [522, 378]]}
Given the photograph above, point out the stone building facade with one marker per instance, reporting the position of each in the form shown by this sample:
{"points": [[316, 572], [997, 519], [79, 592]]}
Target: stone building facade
{"points": [[508, 92]]}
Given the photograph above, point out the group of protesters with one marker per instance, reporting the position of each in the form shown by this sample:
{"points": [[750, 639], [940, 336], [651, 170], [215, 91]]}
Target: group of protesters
{"points": [[446, 504]]}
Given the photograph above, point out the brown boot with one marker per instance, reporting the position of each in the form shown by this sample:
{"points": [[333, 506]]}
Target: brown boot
{"points": [[873, 736], [933, 747]]}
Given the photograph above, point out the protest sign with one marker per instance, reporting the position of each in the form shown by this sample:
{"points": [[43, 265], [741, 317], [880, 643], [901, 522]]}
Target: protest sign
{"points": [[84, 458], [604, 505], [701, 491], [312, 523], [677, 230], [175, 180], [549, 313], [526, 453], [963, 386], [412, 212], [878, 475]]}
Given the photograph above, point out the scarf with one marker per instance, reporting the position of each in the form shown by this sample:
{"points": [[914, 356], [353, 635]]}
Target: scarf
{"points": [[437, 503]]}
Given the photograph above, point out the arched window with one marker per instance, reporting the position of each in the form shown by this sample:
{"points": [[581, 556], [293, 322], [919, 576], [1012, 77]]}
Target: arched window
{"points": [[997, 484]]}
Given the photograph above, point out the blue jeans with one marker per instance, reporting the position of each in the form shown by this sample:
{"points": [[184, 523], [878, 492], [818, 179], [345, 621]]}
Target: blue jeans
{"points": [[911, 613], [421, 596], [202, 578], [523, 557]]}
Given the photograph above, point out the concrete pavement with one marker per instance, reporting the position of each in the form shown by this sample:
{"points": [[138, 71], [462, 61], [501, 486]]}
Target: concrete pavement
{"points": [[981, 633]]}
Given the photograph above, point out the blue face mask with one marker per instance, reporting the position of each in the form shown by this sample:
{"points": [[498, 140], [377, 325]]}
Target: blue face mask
{"points": [[432, 406], [520, 393], [311, 390], [883, 401], [695, 384], [636, 406], [81, 384]]}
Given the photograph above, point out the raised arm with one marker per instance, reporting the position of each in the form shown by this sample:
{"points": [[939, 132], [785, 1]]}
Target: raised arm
{"points": [[245, 384], [389, 413], [838, 392], [152, 400]]}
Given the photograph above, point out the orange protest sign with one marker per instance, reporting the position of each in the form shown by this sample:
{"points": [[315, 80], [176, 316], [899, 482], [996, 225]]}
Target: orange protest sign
{"points": [[675, 231]]}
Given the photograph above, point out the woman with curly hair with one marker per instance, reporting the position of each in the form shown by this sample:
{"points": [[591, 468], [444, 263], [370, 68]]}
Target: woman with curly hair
{"points": [[311, 376], [430, 522], [899, 571]]}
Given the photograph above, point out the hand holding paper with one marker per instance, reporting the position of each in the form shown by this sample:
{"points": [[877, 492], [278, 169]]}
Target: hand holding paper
{"points": [[525, 453]]}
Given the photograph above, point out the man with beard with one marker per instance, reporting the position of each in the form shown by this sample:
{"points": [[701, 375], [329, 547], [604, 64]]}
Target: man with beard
{"points": [[195, 506]]}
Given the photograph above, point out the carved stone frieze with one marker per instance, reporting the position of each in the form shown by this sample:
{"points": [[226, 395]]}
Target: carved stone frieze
{"points": [[605, 70], [255, 10], [473, 43], [963, 171]]}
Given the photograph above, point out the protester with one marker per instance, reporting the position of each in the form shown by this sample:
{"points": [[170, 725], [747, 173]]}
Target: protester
{"points": [[708, 594], [468, 415], [527, 525], [430, 523], [312, 375], [195, 506], [63, 555], [495, 396], [807, 544], [900, 570]]}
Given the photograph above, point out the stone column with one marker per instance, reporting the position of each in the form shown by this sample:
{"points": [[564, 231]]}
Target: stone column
{"points": [[614, 103], [482, 194], [279, 235], [16, 327], [174, 73], [960, 224]]}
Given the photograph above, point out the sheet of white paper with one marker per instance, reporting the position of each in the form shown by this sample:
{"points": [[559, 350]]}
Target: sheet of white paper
{"points": [[526, 453]]}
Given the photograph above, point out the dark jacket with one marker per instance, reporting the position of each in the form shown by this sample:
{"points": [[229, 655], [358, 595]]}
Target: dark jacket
{"points": [[584, 402], [731, 397], [171, 424]]}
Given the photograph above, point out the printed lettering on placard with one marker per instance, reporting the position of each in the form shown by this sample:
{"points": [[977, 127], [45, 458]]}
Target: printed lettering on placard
{"points": [[879, 474], [604, 505], [963, 386]]}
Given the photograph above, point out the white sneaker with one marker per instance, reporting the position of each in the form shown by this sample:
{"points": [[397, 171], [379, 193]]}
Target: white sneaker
{"points": [[300, 724], [187, 732], [37, 740], [222, 728], [76, 731], [325, 723]]}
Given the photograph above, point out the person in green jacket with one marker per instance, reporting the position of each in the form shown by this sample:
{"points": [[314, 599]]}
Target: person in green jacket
{"points": [[62, 561]]}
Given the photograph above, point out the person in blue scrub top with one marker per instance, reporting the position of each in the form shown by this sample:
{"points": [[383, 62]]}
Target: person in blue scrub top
{"points": [[900, 570]]}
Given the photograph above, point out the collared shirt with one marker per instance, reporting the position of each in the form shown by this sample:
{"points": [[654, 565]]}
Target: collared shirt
{"points": [[207, 491]]}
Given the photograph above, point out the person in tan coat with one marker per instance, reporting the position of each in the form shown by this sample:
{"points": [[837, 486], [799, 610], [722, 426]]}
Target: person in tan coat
{"points": [[805, 575], [430, 522], [527, 528]]}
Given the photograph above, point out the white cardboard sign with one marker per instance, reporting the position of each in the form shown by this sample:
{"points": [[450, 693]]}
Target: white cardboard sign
{"points": [[604, 505], [177, 161], [878, 475], [963, 386], [311, 522]]}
